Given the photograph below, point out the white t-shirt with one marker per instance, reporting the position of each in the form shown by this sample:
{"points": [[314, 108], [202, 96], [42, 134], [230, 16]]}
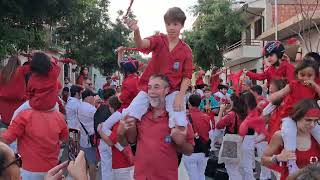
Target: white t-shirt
{"points": [[71, 112], [85, 114]]}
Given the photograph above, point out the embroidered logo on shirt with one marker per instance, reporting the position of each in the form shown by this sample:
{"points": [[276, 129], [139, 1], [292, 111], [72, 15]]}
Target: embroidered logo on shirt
{"points": [[313, 159], [176, 65], [168, 139]]}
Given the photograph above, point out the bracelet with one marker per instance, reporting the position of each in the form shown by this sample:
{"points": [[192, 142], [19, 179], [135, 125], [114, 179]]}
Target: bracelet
{"points": [[274, 159], [299, 52]]}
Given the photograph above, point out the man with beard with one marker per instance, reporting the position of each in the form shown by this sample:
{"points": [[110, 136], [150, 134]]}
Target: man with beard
{"points": [[157, 147]]}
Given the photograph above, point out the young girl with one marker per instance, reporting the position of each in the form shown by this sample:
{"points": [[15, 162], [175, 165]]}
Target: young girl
{"points": [[304, 87], [42, 88], [231, 121], [129, 87], [305, 115], [280, 68]]}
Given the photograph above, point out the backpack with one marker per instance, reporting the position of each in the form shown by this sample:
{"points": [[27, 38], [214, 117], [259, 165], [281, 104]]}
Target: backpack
{"points": [[102, 114]]}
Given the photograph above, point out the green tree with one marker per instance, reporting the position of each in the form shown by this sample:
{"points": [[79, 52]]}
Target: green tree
{"points": [[23, 24], [217, 26]]}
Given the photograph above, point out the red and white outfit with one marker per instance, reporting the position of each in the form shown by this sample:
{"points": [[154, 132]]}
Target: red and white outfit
{"points": [[222, 98], [13, 94], [298, 92], [122, 161], [42, 91], [199, 80], [129, 91], [265, 172], [196, 163], [229, 121], [214, 82], [304, 158], [284, 71], [156, 155], [39, 134], [176, 65]]}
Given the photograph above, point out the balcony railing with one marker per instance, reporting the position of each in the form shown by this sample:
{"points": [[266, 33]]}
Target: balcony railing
{"points": [[244, 42]]}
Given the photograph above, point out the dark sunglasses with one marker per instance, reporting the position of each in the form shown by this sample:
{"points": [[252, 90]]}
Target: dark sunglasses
{"points": [[17, 161]]}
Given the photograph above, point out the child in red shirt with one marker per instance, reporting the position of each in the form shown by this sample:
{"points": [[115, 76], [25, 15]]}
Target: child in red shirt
{"points": [[171, 57], [42, 88], [122, 157], [129, 88], [302, 88], [280, 68]]}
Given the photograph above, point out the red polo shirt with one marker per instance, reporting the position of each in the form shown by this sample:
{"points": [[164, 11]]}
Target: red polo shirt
{"points": [[228, 122], [123, 159], [200, 123], [284, 71], [199, 80], [39, 134], [176, 64], [156, 156], [129, 89], [13, 93], [298, 92], [42, 90]]}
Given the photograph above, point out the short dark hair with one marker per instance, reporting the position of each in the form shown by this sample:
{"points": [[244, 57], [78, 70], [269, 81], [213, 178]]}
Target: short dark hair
{"points": [[302, 108], [195, 100], [257, 89], [162, 77], [174, 14], [87, 93], [307, 62], [40, 63], [313, 55], [107, 93], [206, 89], [114, 102], [74, 90], [221, 86], [65, 89]]}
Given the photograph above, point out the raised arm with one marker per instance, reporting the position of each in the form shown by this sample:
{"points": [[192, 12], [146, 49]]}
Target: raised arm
{"points": [[120, 50], [133, 26], [256, 76], [279, 94]]}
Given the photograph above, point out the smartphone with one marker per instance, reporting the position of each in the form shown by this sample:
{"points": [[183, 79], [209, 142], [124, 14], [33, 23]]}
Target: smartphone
{"points": [[74, 143]]}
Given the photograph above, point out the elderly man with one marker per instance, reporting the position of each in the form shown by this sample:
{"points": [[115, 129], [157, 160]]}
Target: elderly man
{"points": [[157, 147]]}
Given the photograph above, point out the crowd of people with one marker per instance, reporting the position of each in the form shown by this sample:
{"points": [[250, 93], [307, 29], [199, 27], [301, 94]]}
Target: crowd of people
{"points": [[157, 118]]}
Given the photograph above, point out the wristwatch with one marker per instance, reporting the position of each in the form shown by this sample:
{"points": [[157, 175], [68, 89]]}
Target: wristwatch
{"points": [[274, 159]]}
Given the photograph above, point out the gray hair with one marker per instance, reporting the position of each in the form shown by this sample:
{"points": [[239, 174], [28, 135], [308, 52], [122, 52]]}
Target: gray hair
{"points": [[163, 78]]}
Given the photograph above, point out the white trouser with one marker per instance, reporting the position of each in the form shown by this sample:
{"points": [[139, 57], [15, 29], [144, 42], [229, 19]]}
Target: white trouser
{"points": [[106, 161], [233, 170], [140, 104], [214, 135], [265, 172], [28, 175], [289, 133], [195, 165], [26, 106], [247, 157], [112, 120], [123, 173]]}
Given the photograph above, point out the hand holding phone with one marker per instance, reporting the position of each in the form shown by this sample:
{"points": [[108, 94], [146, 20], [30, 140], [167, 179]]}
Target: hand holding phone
{"points": [[74, 143]]}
